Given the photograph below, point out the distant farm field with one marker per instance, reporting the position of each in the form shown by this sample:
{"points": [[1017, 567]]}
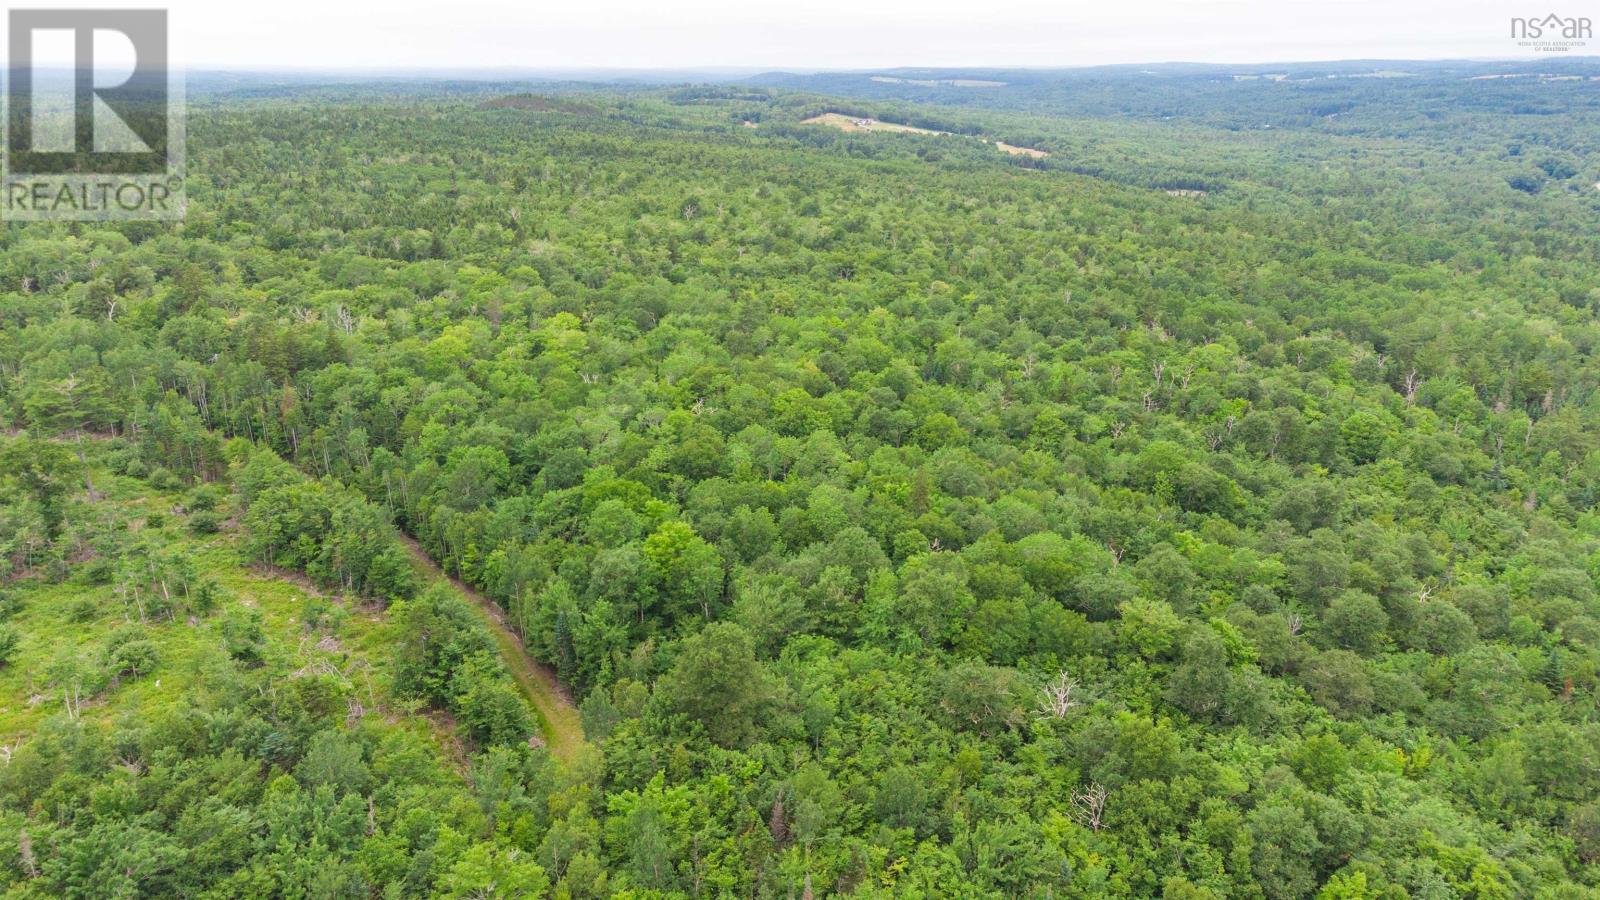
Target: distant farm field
{"points": [[867, 125], [851, 123], [1020, 151]]}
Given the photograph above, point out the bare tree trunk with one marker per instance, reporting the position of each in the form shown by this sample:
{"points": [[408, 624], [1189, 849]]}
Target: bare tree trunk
{"points": [[25, 850], [88, 477]]}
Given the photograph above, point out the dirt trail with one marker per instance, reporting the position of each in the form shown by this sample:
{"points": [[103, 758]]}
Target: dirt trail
{"points": [[558, 717]]}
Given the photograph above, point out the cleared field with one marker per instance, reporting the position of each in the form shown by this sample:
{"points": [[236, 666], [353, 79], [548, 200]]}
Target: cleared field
{"points": [[854, 124], [69, 628], [1021, 151], [850, 123]]}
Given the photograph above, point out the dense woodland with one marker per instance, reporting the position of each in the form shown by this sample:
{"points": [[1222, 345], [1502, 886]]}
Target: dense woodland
{"points": [[905, 518]]}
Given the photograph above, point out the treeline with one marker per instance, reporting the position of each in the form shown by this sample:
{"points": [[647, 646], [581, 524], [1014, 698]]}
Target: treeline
{"points": [[336, 536], [322, 528]]}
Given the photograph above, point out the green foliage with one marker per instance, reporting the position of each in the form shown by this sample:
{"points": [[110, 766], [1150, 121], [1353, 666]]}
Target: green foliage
{"points": [[716, 681], [40, 474], [204, 522], [9, 638], [485, 870], [332, 533], [231, 757], [243, 636], [904, 524], [334, 760], [445, 656]]}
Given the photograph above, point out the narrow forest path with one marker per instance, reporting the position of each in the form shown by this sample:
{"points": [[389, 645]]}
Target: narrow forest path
{"points": [[558, 717]]}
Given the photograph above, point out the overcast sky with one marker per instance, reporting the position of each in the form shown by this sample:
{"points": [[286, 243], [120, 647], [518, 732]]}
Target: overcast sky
{"points": [[833, 33]]}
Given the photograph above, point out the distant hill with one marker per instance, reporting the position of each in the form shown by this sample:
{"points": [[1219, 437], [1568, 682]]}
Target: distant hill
{"points": [[1255, 95]]}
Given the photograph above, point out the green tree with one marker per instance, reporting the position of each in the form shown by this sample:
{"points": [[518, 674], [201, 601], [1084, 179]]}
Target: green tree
{"points": [[716, 680], [488, 870], [687, 569], [44, 473]]}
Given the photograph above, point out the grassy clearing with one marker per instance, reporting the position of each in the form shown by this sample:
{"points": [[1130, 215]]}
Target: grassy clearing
{"points": [[1020, 151], [873, 126], [854, 124], [69, 621]]}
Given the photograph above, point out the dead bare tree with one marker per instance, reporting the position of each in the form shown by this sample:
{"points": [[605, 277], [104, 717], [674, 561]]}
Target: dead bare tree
{"points": [[778, 824], [354, 711], [1059, 699], [1089, 806], [25, 850], [72, 699]]}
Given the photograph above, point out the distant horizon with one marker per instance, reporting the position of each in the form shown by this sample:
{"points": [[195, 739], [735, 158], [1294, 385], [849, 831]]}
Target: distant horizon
{"points": [[840, 35], [489, 72]]}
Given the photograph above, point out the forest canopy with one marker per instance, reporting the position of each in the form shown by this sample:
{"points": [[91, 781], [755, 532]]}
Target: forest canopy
{"points": [[1200, 511]]}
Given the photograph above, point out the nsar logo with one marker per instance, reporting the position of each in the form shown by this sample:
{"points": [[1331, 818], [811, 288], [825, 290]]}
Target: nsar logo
{"points": [[1552, 33]]}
